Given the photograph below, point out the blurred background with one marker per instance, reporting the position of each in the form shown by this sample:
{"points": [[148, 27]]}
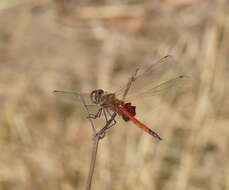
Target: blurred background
{"points": [[82, 45]]}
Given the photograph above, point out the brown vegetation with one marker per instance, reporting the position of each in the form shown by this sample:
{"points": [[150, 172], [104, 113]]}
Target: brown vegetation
{"points": [[46, 143]]}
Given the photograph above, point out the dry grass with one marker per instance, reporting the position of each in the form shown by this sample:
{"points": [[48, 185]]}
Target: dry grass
{"points": [[45, 143]]}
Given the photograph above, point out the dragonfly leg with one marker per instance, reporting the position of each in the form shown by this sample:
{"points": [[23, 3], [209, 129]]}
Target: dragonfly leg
{"points": [[95, 116], [105, 115], [114, 121], [101, 133]]}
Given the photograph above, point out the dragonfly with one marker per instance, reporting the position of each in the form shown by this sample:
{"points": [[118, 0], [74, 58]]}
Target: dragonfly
{"points": [[141, 85]]}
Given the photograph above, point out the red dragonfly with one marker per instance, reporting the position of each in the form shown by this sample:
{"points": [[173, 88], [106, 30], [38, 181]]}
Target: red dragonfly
{"points": [[110, 102]]}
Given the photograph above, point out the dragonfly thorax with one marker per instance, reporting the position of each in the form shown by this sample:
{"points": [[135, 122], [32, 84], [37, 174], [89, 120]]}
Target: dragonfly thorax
{"points": [[103, 98]]}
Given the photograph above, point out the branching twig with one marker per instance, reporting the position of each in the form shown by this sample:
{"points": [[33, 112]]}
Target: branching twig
{"points": [[101, 133], [88, 113]]}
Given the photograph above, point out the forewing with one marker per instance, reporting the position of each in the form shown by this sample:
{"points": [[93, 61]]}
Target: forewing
{"points": [[159, 76], [76, 98], [176, 83]]}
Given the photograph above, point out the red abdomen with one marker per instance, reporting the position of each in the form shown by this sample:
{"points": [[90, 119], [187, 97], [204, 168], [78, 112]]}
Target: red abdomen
{"points": [[131, 109]]}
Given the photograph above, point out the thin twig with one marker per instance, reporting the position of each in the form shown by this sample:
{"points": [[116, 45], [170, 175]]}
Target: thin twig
{"points": [[101, 133], [94, 148], [97, 137], [87, 110], [92, 164], [132, 78]]}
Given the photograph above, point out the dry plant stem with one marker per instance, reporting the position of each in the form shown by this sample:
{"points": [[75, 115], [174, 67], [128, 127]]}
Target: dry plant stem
{"points": [[92, 164], [132, 78], [94, 149], [90, 120], [101, 132], [98, 136]]}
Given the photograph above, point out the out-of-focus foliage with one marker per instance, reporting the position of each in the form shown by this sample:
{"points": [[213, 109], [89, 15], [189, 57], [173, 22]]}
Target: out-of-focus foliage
{"points": [[81, 45]]}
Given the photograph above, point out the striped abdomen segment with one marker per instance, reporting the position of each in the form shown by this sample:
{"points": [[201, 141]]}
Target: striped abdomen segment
{"points": [[138, 123]]}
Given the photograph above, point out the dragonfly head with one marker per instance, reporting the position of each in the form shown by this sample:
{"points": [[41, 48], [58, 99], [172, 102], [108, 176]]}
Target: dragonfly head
{"points": [[96, 96]]}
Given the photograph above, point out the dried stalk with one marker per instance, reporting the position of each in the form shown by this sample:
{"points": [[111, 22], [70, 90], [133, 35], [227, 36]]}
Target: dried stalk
{"points": [[92, 164], [101, 133]]}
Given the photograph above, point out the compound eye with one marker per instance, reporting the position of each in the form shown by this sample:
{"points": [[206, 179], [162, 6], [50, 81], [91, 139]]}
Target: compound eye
{"points": [[96, 96], [93, 96], [100, 92]]}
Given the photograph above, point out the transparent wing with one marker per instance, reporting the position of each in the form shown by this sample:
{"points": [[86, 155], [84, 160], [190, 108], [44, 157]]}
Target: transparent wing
{"points": [[74, 97], [71, 95], [158, 77], [174, 83]]}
